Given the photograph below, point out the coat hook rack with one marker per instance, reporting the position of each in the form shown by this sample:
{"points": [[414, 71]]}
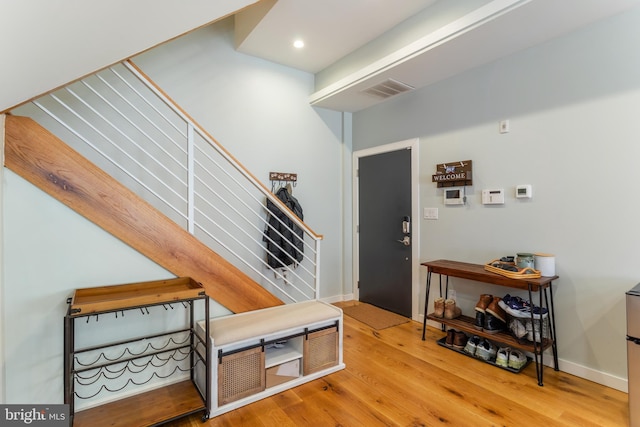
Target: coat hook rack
{"points": [[282, 178]]}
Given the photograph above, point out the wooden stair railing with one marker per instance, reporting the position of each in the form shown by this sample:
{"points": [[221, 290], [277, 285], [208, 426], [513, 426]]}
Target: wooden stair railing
{"points": [[41, 158]]}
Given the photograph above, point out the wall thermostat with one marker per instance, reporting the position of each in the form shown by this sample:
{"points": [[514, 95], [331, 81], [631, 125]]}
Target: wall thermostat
{"points": [[454, 196], [493, 197], [523, 191]]}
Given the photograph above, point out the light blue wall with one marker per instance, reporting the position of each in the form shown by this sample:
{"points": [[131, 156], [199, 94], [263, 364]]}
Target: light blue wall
{"points": [[572, 104], [49, 251], [258, 110]]}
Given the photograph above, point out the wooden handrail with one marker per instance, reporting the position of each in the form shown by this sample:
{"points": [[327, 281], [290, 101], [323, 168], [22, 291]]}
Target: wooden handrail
{"points": [[44, 160], [227, 154]]}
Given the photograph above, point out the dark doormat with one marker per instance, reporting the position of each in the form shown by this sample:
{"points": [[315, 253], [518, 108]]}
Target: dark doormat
{"points": [[372, 316]]}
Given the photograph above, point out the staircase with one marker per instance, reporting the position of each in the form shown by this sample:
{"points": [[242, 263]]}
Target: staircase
{"points": [[138, 166]]}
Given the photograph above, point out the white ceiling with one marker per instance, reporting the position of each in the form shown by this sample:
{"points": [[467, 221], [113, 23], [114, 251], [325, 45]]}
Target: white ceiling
{"points": [[342, 36]]}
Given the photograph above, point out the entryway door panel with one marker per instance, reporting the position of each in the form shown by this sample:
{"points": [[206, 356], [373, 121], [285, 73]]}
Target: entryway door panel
{"points": [[384, 203]]}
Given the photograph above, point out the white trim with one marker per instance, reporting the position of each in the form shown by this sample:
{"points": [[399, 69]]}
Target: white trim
{"points": [[2, 319], [412, 144], [599, 377]]}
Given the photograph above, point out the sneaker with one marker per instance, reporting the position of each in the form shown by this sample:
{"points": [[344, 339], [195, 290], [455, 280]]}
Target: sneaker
{"points": [[536, 325], [472, 345], [450, 335], [459, 340], [517, 359], [492, 325], [517, 307], [517, 327], [486, 351], [502, 358]]}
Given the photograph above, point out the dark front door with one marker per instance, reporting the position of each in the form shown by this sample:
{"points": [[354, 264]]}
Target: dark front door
{"points": [[384, 206]]}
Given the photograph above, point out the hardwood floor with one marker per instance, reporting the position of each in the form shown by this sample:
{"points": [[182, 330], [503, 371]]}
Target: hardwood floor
{"points": [[393, 378]]}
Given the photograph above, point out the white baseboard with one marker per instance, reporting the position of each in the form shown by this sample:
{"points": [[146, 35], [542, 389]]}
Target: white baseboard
{"points": [[590, 374], [337, 298]]}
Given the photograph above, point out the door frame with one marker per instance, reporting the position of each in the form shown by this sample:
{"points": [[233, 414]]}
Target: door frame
{"points": [[413, 145]]}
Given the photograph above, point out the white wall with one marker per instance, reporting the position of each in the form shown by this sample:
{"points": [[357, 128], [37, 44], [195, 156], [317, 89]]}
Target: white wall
{"points": [[572, 104], [70, 39], [259, 111]]}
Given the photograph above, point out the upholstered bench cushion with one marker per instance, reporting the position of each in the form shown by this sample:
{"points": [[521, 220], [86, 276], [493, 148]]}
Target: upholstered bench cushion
{"points": [[257, 323]]}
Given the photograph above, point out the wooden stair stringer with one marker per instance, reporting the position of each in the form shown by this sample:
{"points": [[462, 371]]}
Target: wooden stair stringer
{"points": [[41, 158]]}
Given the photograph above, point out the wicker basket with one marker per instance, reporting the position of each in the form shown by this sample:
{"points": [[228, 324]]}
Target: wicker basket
{"points": [[522, 273]]}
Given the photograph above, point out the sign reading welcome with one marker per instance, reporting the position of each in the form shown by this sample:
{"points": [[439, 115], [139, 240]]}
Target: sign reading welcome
{"points": [[454, 173]]}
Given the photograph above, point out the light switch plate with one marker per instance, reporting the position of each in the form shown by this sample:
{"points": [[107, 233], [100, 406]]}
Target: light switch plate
{"points": [[430, 213]]}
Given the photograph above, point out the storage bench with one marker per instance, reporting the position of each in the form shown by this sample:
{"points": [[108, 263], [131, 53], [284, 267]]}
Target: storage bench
{"points": [[263, 352]]}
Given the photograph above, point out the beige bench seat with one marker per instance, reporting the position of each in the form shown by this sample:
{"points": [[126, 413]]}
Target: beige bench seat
{"points": [[235, 328]]}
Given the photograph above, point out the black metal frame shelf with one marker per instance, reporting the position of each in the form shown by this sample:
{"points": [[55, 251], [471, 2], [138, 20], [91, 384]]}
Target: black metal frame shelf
{"points": [[190, 346], [476, 272]]}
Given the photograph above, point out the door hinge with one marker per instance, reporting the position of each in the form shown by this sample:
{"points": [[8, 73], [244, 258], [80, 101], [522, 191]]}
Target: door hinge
{"points": [[358, 284]]}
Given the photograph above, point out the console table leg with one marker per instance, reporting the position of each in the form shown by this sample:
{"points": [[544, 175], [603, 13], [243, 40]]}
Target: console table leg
{"points": [[426, 305], [552, 327], [537, 349], [446, 295]]}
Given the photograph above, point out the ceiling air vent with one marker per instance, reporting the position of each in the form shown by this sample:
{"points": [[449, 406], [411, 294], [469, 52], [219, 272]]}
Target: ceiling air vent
{"points": [[388, 88]]}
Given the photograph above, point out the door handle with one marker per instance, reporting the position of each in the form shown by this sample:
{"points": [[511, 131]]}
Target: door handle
{"points": [[406, 240]]}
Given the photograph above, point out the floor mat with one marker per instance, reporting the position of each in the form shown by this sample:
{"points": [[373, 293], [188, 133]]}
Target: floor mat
{"points": [[373, 316]]}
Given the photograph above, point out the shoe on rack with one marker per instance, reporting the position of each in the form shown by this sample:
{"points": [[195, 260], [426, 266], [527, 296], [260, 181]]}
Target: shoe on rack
{"points": [[494, 309], [502, 357], [459, 340], [438, 307], [517, 327], [486, 351], [472, 345], [479, 323], [450, 335], [485, 300], [536, 327], [451, 311], [517, 359], [492, 324], [517, 307]]}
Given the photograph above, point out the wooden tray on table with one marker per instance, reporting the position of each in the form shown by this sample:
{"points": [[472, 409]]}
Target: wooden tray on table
{"points": [[522, 273], [108, 298]]}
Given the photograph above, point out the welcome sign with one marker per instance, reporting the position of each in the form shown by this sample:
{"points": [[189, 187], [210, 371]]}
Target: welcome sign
{"points": [[453, 173]]}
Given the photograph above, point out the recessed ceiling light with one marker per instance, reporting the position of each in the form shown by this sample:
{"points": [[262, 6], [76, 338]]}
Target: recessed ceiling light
{"points": [[299, 44]]}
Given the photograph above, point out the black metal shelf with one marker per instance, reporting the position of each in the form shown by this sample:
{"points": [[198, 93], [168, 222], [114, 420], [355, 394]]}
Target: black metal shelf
{"points": [[476, 272], [192, 349]]}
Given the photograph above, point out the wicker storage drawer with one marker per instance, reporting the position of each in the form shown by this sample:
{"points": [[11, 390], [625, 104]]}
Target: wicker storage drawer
{"points": [[320, 350], [240, 374]]}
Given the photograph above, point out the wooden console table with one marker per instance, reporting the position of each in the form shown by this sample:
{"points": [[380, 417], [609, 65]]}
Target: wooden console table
{"points": [[476, 272]]}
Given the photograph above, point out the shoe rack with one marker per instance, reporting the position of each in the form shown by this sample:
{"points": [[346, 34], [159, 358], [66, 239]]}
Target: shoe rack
{"points": [[541, 286]]}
